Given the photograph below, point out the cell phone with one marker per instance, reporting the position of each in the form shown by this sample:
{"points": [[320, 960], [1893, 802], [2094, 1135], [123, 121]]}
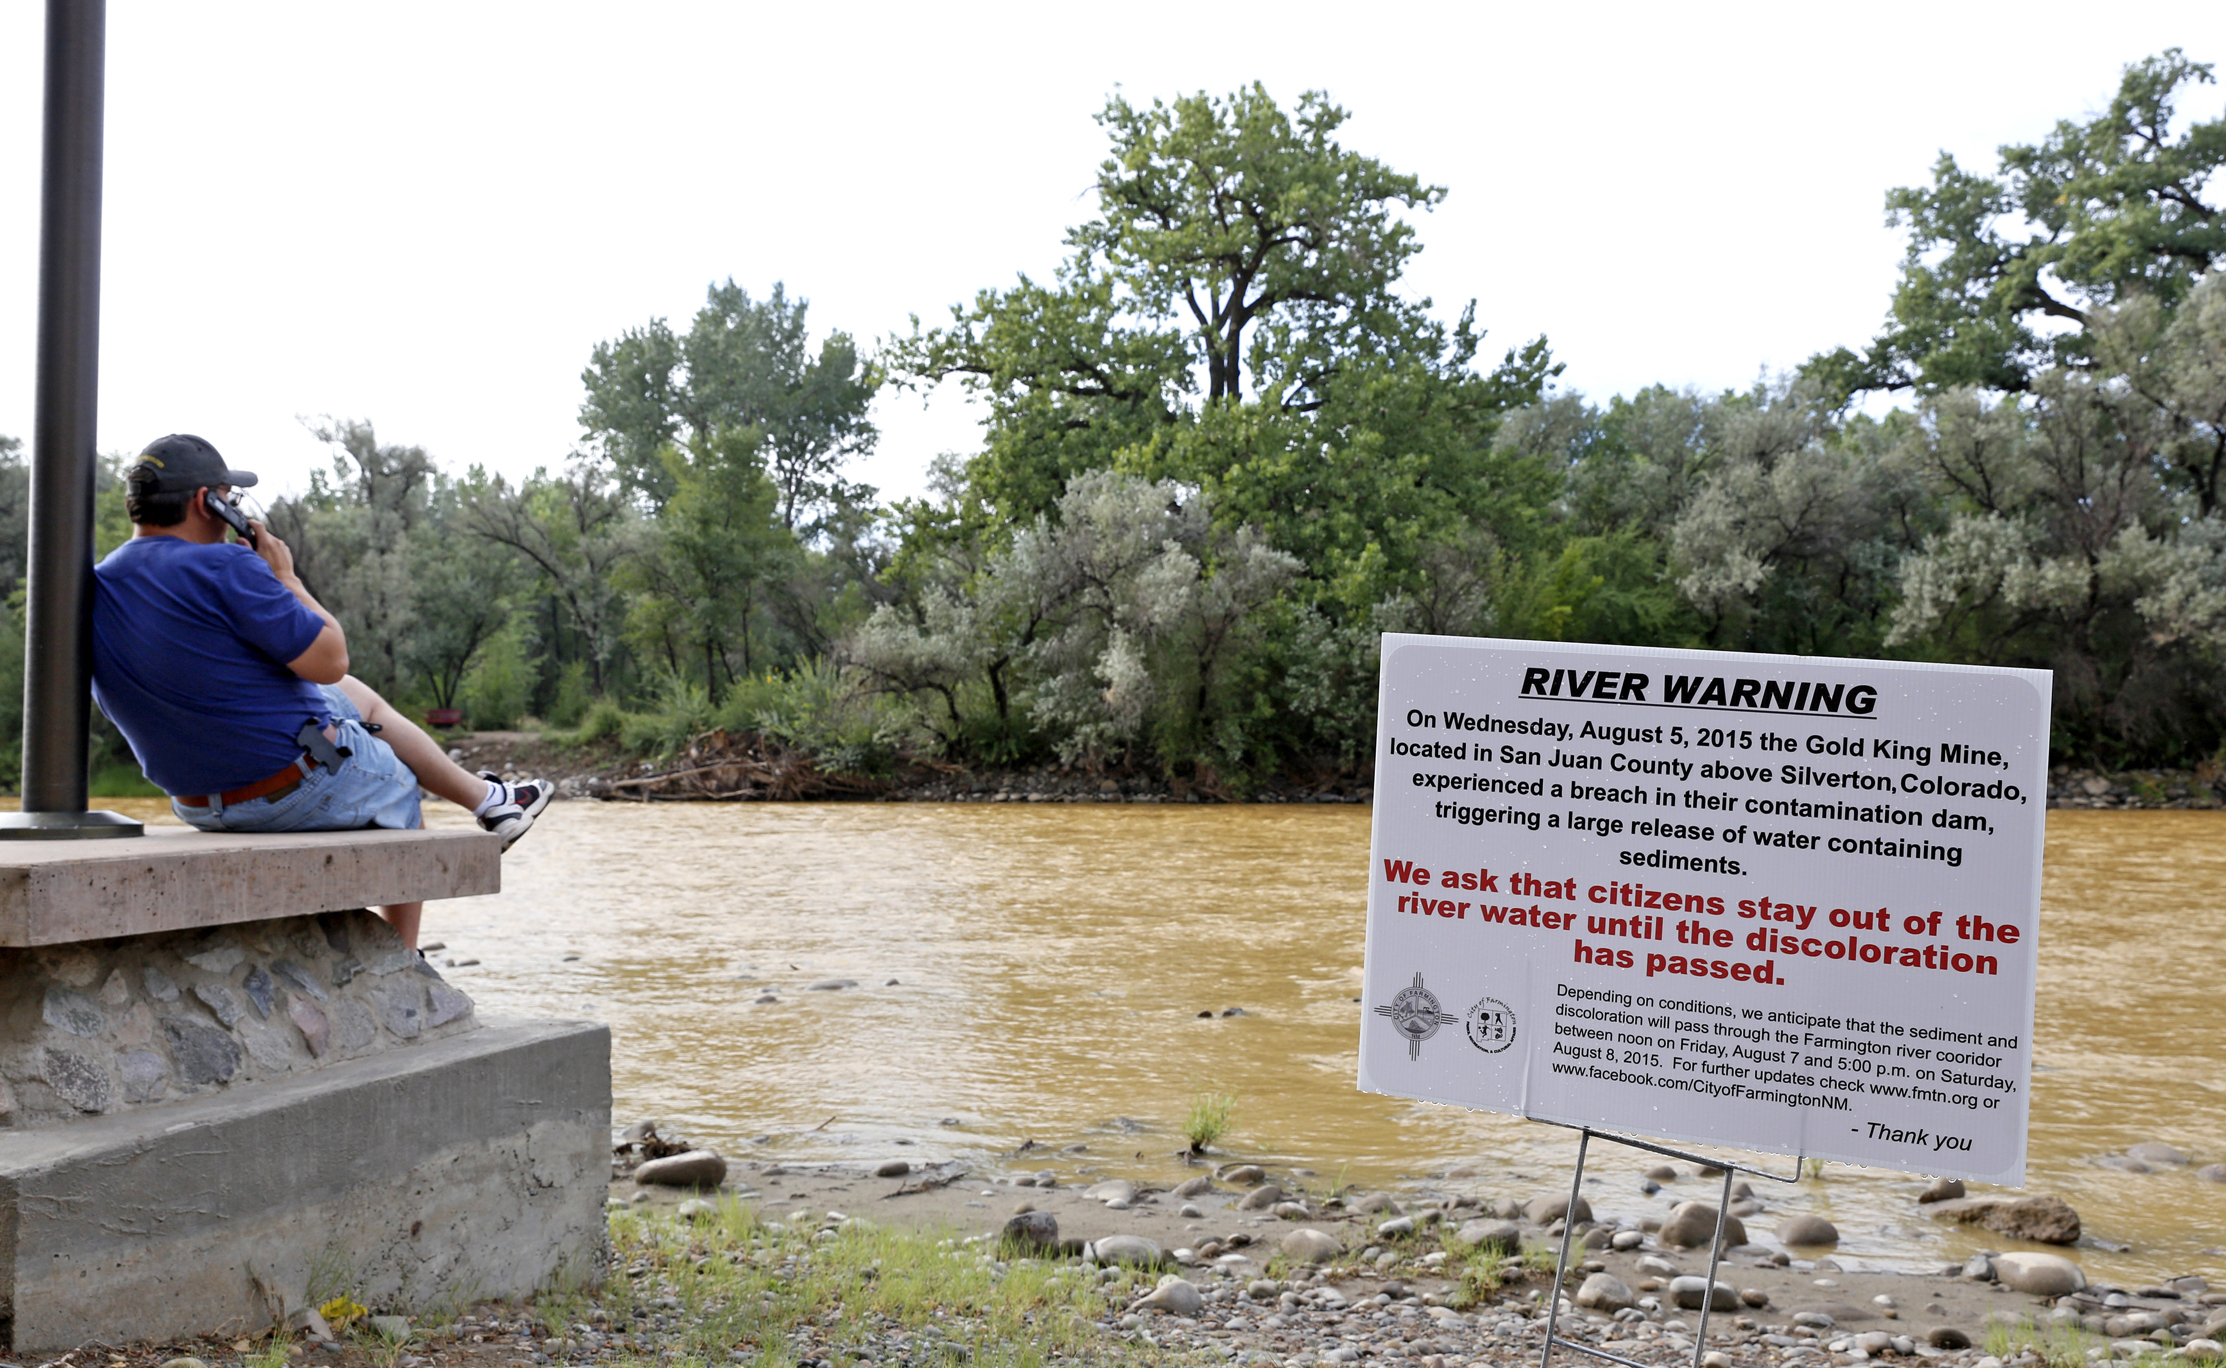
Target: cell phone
{"points": [[232, 516]]}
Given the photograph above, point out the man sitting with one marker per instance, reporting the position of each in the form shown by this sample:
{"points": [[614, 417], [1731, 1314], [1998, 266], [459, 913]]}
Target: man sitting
{"points": [[231, 682]]}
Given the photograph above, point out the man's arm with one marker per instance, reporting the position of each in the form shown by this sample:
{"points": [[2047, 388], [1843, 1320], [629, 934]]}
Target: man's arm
{"points": [[326, 660]]}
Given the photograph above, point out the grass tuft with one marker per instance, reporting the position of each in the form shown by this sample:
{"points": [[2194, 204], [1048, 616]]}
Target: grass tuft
{"points": [[1209, 1118], [734, 1287], [2059, 1345]]}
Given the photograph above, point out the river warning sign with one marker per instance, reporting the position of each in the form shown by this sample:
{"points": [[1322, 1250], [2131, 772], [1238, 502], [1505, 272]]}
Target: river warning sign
{"points": [[1783, 903]]}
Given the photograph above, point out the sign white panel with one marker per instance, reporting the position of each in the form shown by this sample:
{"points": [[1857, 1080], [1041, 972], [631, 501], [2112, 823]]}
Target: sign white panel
{"points": [[1784, 903]]}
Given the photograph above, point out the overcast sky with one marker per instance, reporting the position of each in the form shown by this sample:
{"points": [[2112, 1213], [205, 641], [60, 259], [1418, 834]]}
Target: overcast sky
{"points": [[427, 215]]}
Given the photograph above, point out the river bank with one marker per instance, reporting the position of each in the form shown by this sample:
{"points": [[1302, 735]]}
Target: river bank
{"points": [[940, 1265], [1456, 1268], [719, 767]]}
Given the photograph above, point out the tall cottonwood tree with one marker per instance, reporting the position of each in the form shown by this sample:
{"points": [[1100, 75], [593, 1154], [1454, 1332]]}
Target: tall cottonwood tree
{"points": [[2005, 271], [1239, 251], [744, 363]]}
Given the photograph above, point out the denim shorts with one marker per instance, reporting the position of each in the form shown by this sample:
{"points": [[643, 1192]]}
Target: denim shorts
{"points": [[372, 788]]}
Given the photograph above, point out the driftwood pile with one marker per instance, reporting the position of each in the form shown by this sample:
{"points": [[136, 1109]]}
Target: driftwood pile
{"points": [[739, 767]]}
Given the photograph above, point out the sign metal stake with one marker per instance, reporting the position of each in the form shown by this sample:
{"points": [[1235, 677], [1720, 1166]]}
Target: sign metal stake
{"points": [[1715, 1245]]}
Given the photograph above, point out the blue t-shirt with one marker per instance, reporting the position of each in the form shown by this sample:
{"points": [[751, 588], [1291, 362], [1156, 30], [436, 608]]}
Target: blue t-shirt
{"points": [[190, 644]]}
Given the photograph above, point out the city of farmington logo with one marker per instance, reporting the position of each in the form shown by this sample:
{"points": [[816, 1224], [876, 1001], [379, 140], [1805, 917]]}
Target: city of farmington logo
{"points": [[1491, 1025], [1415, 1015]]}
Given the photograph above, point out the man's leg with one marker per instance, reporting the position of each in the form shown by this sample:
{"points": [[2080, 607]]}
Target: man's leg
{"points": [[433, 769], [405, 919], [414, 748]]}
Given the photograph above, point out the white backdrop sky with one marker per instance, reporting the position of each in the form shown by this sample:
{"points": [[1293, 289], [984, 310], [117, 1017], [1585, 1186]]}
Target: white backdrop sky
{"points": [[428, 214]]}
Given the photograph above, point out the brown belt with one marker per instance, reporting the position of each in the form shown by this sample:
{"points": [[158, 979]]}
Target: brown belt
{"points": [[285, 781]]}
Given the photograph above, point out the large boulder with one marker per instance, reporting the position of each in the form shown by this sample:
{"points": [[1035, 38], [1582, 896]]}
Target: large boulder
{"points": [[1262, 1197], [1808, 1230], [1031, 1232], [2041, 1275], [689, 1169], [1547, 1210], [1605, 1292], [1175, 1296], [2044, 1220], [1824, 1315], [1692, 1224], [1194, 1187], [1499, 1237], [1308, 1245], [1128, 1249], [1690, 1290], [1941, 1190]]}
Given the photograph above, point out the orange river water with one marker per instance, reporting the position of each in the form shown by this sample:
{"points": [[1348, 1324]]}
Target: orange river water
{"points": [[1037, 972]]}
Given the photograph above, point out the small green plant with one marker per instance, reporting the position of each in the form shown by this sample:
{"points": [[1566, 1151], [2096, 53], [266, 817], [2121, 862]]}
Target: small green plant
{"points": [[603, 720], [681, 712], [276, 1352], [382, 1344], [2059, 1345], [1209, 1118], [1478, 1281], [1815, 1169], [1541, 1258]]}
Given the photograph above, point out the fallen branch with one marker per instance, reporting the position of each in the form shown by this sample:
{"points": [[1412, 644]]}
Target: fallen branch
{"points": [[924, 1185]]}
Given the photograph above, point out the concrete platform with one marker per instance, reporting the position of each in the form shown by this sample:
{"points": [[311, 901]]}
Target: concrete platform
{"points": [[174, 879], [470, 1166]]}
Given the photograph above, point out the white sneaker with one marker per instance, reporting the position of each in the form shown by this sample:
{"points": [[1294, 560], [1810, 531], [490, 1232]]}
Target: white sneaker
{"points": [[513, 813]]}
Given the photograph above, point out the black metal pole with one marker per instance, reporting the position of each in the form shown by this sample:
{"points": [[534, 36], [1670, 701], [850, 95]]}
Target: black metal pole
{"points": [[58, 623]]}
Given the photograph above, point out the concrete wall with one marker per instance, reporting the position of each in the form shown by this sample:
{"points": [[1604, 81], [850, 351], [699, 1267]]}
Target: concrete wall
{"points": [[468, 1166]]}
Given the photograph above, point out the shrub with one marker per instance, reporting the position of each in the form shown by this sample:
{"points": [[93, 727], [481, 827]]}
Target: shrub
{"points": [[1208, 1119]]}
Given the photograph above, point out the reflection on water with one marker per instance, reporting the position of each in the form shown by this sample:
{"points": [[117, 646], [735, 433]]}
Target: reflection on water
{"points": [[1050, 963]]}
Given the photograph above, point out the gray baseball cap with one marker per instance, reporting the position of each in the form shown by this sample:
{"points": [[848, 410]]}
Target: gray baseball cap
{"points": [[182, 461]]}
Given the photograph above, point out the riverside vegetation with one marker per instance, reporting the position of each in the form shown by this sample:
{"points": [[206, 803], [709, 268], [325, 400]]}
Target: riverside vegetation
{"points": [[1224, 451]]}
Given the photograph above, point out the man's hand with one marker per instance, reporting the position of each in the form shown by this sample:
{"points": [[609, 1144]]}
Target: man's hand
{"points": [[326, 660], [278, 554]]}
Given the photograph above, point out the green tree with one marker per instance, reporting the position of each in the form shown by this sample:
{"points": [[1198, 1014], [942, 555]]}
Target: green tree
{"points": [[353, 537], [499, 688], [2004, 272], [1241, 256], [575, 531], [2067, 547], [463, 589], [15, 514], [711, 563], [743, 364]]}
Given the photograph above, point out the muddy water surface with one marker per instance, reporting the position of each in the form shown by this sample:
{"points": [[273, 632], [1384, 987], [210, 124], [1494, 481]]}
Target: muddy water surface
{"points": [[1050, 963]]}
